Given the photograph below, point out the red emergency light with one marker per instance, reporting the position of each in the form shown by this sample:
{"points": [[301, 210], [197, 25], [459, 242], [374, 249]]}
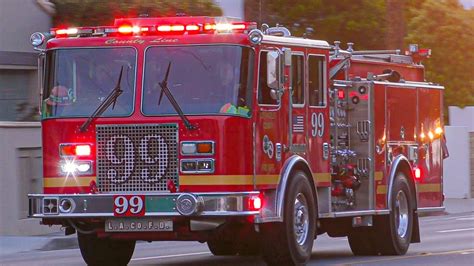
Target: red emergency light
{"points": [[71, 149], [159, 26]]}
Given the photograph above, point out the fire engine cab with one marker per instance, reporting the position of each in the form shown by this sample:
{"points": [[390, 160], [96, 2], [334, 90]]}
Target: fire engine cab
{"points": [[252, 140]]}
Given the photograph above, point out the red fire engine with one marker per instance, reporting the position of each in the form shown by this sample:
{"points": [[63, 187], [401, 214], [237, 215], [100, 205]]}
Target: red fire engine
{"points": [[254, 141]]}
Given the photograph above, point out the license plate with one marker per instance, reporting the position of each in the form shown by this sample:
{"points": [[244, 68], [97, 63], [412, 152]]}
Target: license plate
{"points": [[138, 225]]}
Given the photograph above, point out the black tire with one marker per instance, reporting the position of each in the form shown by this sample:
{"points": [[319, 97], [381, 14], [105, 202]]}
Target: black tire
{"points": [[222, 247], [362, 243], [391, 240], [250, 246], [280, 245], [105, 251]]}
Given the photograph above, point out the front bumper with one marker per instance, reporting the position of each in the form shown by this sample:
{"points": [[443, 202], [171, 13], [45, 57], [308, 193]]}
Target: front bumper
{"points": [[156, 205]]}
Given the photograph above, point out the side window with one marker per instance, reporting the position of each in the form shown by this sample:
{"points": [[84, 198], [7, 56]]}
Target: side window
{"points": [[316, 81], [297, 83], [263, 90]]}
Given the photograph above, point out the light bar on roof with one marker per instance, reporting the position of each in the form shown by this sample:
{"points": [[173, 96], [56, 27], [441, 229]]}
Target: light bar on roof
{"points": [[69, 31]]}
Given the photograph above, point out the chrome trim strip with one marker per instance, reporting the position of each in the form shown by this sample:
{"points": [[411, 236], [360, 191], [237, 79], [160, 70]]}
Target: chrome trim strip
{"points": [[101, 205], [268, 39], [411, 85], [431, 209], [354, 213]]}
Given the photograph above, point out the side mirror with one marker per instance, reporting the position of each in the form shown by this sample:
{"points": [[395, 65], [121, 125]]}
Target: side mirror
{"points": [[273, 70]]}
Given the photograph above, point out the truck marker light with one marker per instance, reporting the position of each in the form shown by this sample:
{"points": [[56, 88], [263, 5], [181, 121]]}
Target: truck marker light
{"points": [[417, 172], [255, 203], [204, 147], [438, 131], [430, 135], [422, 136], [83, 150], [340, 94]]}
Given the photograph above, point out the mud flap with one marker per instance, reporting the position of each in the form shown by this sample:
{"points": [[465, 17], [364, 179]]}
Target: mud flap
{"points": [[415, 236]]}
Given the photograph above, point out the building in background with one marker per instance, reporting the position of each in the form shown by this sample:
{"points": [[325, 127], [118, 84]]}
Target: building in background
{"points": [[20, 133], [458, 176]]}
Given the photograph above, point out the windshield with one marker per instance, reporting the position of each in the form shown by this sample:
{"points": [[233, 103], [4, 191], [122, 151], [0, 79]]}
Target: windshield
{"points": [[79, 80], [212, 79]]}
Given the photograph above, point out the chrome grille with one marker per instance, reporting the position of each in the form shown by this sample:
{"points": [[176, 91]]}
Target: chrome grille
{"points": [[132, 158]]}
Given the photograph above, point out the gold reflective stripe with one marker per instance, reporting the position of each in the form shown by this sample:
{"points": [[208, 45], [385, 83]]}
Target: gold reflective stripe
{"points": [[378, 176], [420, 188], [321, 177], [381, 189], [428, 188], [267, 179], [78, 181]]}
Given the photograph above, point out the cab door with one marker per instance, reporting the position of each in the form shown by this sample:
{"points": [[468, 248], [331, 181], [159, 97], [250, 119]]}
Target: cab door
{"points": [[271, 134], [298, 125]]}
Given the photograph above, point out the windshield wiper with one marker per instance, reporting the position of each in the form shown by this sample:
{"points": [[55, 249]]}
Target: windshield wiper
{"points": [[111, 99], [174, 103]]}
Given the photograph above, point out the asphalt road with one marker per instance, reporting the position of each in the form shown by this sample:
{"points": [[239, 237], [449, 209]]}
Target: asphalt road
{"points": [[446, 240]]}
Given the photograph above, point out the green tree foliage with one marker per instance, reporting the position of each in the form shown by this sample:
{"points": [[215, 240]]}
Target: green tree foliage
{"points": [[448, 29], [103, 12], [358, 21]]}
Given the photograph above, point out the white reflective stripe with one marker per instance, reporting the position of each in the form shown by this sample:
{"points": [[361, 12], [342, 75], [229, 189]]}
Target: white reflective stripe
{"points": [[172, 256]]}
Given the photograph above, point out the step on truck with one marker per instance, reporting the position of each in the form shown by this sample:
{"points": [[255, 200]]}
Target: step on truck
{"points": [[251, 140]]}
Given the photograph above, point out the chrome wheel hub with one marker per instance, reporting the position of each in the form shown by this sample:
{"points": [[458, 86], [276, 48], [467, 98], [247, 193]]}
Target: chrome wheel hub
{"points": [[301, 219], [401, 214]]}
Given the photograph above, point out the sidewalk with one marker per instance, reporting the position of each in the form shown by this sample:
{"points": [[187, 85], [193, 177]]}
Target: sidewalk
{"points": [[57, 241]]}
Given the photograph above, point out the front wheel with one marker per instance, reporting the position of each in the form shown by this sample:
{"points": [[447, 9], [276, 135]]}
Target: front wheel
{"points": [[105, 251], [291, 242]]}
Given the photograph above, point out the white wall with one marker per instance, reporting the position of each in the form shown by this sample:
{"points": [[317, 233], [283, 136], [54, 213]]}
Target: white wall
{"points": [[20, 174], [456, 181], [462, 117]]}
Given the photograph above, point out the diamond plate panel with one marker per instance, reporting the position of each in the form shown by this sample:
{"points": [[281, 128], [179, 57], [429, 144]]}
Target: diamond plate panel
{"points": [[136, 158]]}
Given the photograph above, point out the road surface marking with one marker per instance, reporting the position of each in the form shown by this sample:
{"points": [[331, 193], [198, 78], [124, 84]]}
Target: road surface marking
{"points": [[172, 256], [436, 219], [465, 219], [456, 230], [409, 257]]}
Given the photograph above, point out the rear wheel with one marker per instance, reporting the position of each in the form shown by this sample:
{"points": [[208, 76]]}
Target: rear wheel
{"points": [[291, 242], [397, 227], [222, 247], [105, 251]]}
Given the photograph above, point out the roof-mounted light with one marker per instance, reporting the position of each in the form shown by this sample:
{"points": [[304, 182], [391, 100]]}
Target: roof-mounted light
{"points": [[169, 28], [255, 36], [69, 31], [125, 29], [192, 27], [37, 39]]}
